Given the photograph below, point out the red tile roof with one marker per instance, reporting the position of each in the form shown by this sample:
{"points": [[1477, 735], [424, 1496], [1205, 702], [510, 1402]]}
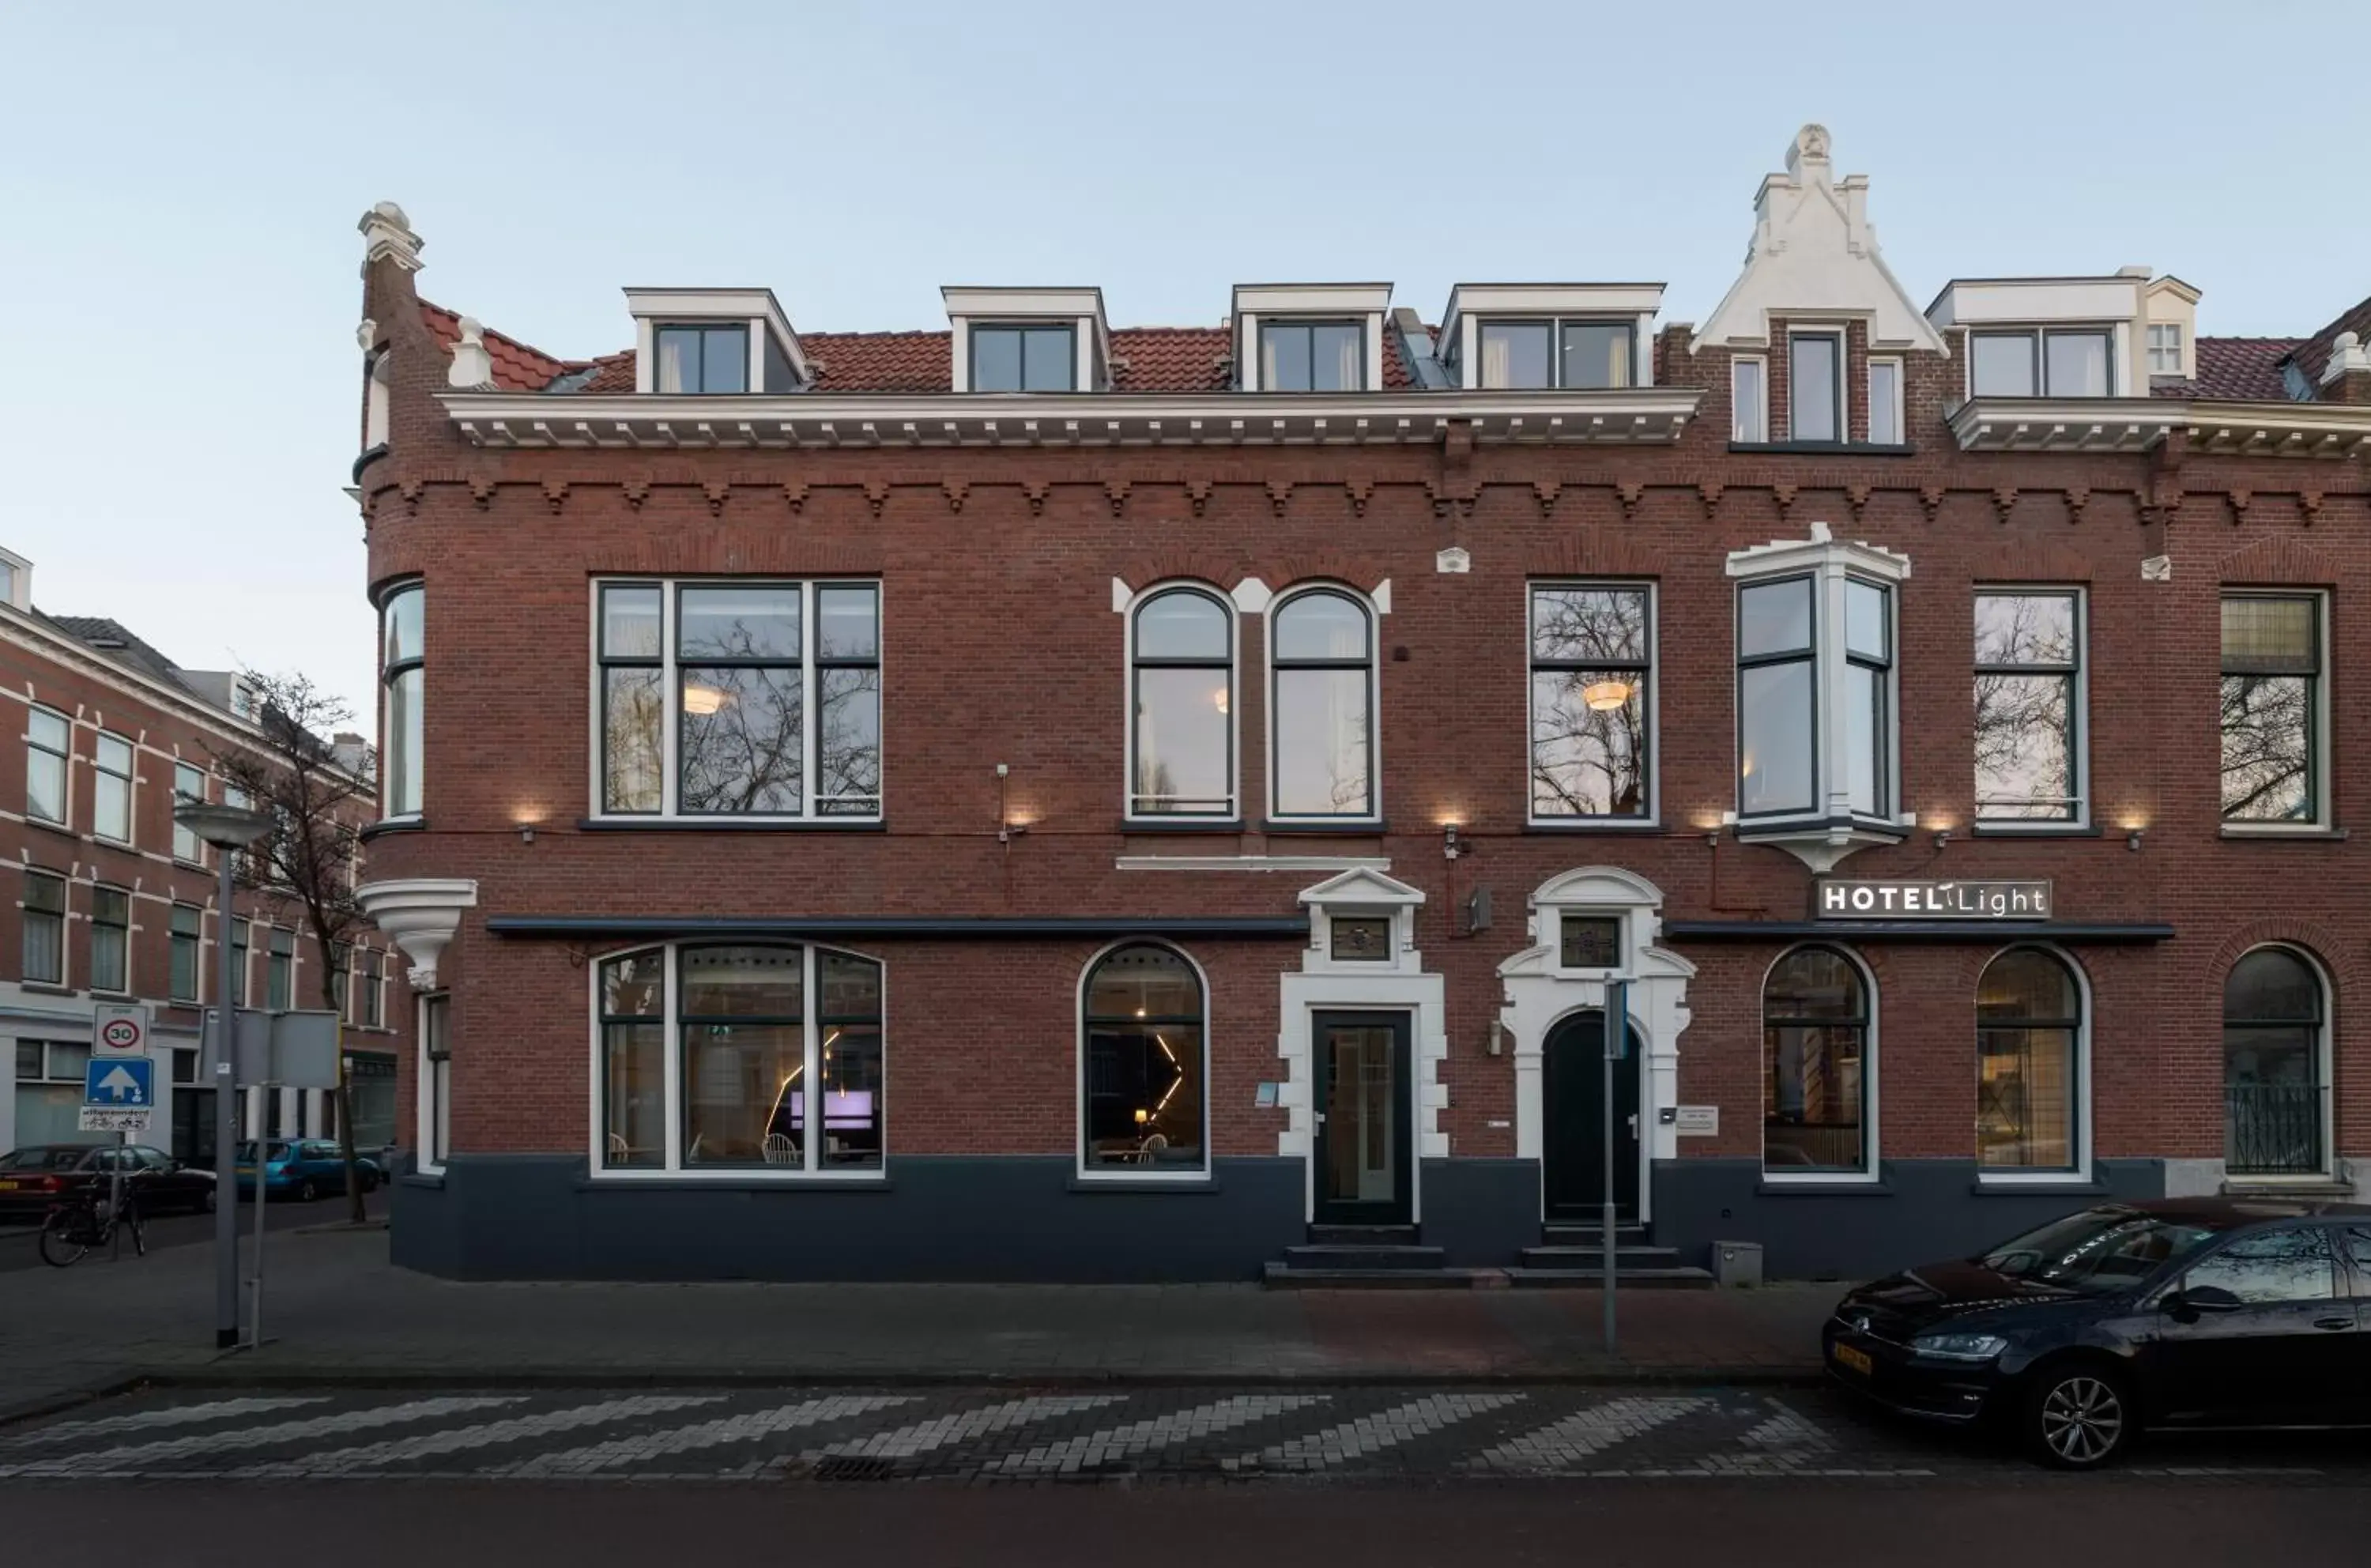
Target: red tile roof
{"points": [[2313, 355], [518, 367], [2235, 370]]}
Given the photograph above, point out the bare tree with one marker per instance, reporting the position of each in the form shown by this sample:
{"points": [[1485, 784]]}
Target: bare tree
{"points": [[317, 802]]}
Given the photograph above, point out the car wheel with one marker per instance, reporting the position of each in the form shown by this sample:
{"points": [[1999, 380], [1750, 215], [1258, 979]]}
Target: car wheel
{"points": [[2078, 1416], [306, 1192]]}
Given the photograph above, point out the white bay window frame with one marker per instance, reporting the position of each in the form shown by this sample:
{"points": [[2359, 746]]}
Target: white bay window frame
{"points": [[1829, 828]]}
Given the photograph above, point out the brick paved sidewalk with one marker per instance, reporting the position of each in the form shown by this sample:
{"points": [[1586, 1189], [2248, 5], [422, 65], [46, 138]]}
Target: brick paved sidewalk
{"points": [[336, 1310]]}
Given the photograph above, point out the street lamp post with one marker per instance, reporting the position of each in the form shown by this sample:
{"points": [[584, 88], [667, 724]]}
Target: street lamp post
{"points": [[229, 829]]}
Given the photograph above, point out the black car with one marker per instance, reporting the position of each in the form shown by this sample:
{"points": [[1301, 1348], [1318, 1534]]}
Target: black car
{"points": [[34, 1177], [2225, 1312]]}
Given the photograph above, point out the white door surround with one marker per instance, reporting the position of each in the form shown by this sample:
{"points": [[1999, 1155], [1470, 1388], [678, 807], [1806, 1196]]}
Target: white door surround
{"points": [[1395, 982], [1540, 991]]}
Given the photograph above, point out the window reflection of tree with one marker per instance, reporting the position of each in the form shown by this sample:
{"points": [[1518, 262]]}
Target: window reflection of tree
{"points": [[2025, 718], [849, 761], [746, 754], [1587, 761], [2266, 750]]}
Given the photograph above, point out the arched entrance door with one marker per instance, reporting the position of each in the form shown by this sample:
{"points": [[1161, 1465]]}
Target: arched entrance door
{"points": [[1573, 1131]]}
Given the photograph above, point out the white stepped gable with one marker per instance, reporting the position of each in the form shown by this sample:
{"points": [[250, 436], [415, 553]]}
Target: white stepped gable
{"points": [[1814, 255]]}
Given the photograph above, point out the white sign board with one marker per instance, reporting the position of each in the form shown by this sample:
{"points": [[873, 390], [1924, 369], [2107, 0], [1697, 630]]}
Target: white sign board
{"points": [[119, 1029], [106, 1118], [1697, 1122]]}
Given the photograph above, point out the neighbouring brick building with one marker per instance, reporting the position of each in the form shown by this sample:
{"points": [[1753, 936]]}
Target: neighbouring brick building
{"points": [[1044, 800], [110, 901]]}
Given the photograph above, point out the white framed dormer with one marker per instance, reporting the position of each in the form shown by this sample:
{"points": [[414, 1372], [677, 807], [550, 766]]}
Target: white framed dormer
{"points": [[1310, 656], [2055, 338], [1004, 338], [1555, 978], [1568, 337], [691, 342], [1817, 657], [1308, 336], [1358, 981]]}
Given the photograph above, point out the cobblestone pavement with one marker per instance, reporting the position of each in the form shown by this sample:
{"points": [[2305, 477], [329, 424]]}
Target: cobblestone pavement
{"points": [[1005, 1435]]}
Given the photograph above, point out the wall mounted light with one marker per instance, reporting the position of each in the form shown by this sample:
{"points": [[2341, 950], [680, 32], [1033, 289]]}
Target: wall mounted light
{"points": [[2133, 840], [1942, 836], [527, 833], [1449, 848]]}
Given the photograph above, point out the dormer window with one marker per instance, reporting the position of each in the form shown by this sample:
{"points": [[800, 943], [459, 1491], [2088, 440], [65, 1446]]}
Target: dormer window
{"points": [[699, 357], [1550, 337], [2052, 364], [1023, 358], [1576, 355], [1313, 356]]}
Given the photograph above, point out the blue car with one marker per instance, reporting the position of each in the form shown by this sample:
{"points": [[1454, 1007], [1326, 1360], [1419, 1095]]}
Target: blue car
{"points": [[302, 1169]]}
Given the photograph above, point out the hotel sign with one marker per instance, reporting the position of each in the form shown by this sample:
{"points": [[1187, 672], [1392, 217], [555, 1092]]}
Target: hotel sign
{"points": [[1878, 898]]}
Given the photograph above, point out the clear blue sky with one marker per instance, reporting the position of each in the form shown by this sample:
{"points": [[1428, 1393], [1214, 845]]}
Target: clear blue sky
{"points": [[177, 254]]}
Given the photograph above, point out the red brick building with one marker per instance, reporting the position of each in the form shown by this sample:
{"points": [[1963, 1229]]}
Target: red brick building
{"points": [[112, 902], [1047, 800]]}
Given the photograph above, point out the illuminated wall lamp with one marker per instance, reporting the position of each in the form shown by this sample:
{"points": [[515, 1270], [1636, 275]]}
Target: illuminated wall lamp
{"points": [[2132, 840]]}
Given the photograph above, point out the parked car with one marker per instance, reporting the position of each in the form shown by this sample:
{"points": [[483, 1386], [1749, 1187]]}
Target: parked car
{"points": [[303, 1169], [34, 1177], [2074, 1337]]}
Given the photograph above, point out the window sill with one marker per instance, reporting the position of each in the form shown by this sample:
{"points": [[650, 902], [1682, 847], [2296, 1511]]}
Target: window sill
{"points": [[1180, 824], [392, 825], [98, 995], [1811, 1187], [732, 825], [1824, 448], [64, 830], [1373, 827], [182, 865], [734, 1181], [2039, 830], [1592, 825], [434, 1181], [2279, 832], [2063, 1185], [1173, 1186]]}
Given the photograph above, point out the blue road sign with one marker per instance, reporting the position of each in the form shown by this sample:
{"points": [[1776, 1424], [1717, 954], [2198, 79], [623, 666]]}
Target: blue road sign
{"points": [[124, 1083]]}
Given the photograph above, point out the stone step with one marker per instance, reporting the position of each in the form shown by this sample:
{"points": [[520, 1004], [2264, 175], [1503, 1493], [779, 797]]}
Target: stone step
{"points": [[1623, 1279], [1366, 1255], [1626, 1233], [1626, 1256], [1362, 1234], [1286, 1276]]}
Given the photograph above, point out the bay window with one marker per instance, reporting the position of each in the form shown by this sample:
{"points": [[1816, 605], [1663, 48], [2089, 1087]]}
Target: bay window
{"points": [[749, 1057], [2273, 711], [1592, 651], [1777, 673], [1183, 672], [403, 734], [1321, 706], [2029, 697], [705, 690]]}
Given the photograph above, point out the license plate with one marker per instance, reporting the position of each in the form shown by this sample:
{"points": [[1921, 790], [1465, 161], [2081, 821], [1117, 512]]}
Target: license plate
{"points": [[1856, 1359], [8, 1186]]}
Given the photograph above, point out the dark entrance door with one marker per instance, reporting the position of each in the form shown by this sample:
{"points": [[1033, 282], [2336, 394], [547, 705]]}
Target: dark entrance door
{"points": [[1365, 1151], [1573, 1117]]}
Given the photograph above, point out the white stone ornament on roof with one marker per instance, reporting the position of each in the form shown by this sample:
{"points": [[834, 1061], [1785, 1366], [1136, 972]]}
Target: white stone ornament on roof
{"points": [[1814, 256], [387, 236], [473, 363]]}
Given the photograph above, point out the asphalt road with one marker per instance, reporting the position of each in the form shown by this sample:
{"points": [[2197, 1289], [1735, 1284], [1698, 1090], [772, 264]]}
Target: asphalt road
{"points": [[17, 1252], [1833, 1524]]}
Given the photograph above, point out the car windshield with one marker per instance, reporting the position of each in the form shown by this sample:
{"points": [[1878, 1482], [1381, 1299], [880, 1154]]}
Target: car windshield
{"points": [[246, 1151], [50, 1157], [2098, 1250]]}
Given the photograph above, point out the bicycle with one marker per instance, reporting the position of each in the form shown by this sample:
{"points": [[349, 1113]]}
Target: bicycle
{"points": [[80, 1222]]}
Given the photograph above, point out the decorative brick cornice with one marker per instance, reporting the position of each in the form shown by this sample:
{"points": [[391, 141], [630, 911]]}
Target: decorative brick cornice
{"points": [[2280, 559]]}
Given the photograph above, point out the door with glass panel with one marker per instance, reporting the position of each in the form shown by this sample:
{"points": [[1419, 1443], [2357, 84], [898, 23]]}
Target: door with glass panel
{"points": [[1365, 1152]]}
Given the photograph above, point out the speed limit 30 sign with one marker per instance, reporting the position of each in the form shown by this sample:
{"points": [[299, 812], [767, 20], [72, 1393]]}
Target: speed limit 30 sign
{"points": [[120, 1030]]}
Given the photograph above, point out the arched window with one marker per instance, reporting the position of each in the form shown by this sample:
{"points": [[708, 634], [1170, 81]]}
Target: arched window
{"points": [[1322, 728], [716, 1057], [2029, 1063], [2273, 1018], [1144, 1065], [1815, 1061], [1182, 743]]}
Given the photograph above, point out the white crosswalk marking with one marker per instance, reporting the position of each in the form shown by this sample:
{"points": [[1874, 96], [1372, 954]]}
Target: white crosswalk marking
{"points": [[1141, 1436], [460, 1440], [923, 1437], [171, 1415], [1371, 1434], [133, 1456], [705, 1435], [1784, 1441], [1591, 1431]]}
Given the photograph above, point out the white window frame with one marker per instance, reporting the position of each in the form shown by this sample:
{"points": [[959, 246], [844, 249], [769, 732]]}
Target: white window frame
{"points": [[2324, 780], [1831, 564], [673, 1169], [389, 743], [197, 959], [1373, 604], [2325, 1046], [2080, 714], [1998, 1176], [65, 767], [1872, 1160], [64, 917], [1122, 1175], [1629, 321], [1652, 819], [1759, 403], [669, 663], [432, 1111], [2036, 335], [1897, 405], [131, 904], [100, 773], [2169, 347], [1840, 384], [1134, 607], [187, 847]]}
